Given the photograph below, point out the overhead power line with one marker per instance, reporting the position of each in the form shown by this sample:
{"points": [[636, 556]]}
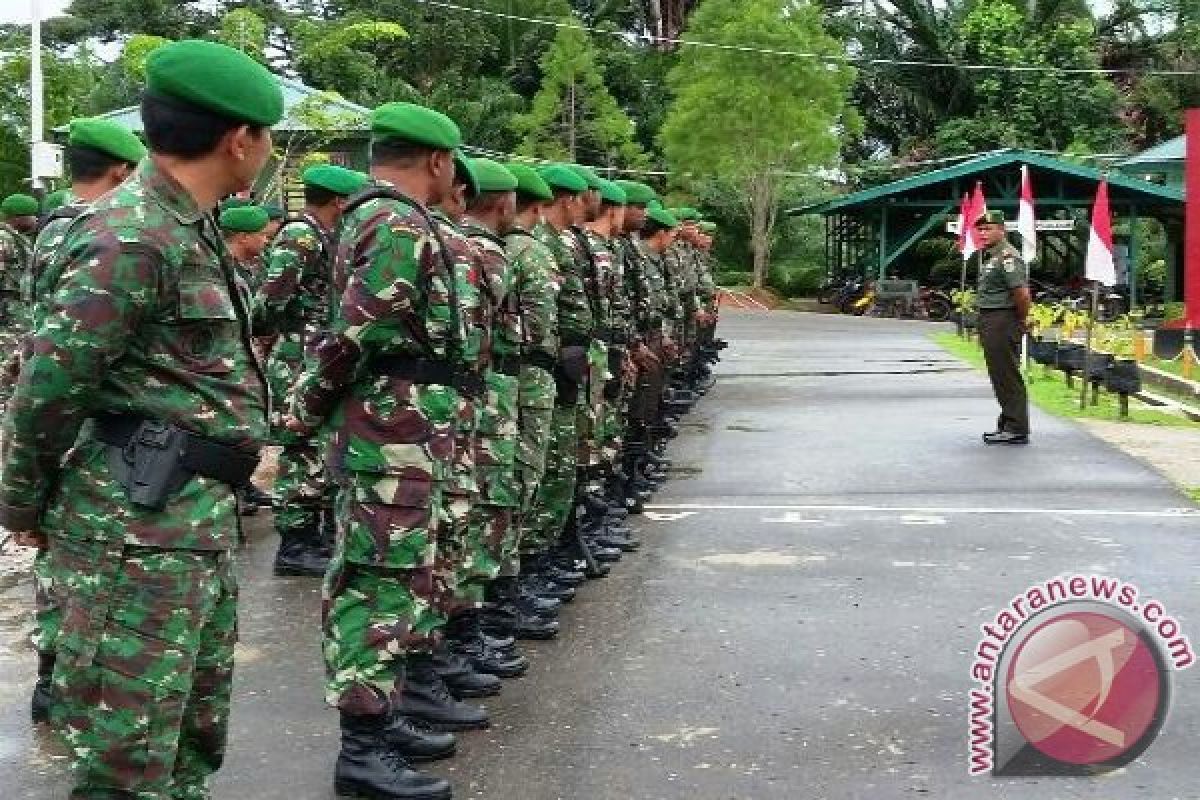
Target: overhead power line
{"points": [[822, 57]]}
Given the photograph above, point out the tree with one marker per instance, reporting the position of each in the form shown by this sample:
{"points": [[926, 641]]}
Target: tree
{"points": [[573, 115], [245, 30], [753, 118]]}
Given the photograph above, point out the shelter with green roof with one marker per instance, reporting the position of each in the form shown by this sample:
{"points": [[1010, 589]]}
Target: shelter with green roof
{"points": [[874, 231], [313, 121], [1162, 163]]}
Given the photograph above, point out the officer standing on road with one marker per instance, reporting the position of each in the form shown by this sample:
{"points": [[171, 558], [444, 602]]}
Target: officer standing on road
{"points": [[1004, 301]]}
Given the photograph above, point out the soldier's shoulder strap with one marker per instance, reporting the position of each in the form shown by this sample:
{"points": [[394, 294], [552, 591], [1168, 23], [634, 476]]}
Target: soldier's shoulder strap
{"points": [[322, 235], [391, 193], [62, 212]]}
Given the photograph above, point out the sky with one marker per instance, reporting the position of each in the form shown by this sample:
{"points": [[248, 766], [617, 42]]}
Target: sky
{"points": [[18, 10]]}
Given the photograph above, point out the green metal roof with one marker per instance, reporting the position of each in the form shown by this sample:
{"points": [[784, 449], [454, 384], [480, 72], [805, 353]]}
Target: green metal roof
{"points": [[295, 93], [1120, 186], [1170, 153]]}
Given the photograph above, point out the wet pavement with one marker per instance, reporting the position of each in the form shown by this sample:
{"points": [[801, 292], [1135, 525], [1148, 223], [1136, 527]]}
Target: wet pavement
{"points": [[799, 623]]}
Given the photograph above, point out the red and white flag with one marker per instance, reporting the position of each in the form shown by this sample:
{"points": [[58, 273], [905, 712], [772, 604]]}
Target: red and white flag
{"points": [[1100, 265], [972, 210], [1026, 219]]}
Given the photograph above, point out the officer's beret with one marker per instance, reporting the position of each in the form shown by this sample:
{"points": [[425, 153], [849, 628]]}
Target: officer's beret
{"points": [[588, 174], [235, 202], [245, 219], [56, 199], [333, 178], [409, 122], [992, 218], [662, 217], [464, 172], [493, 177], [216, 78], [563, 178], [19, 205], [637, 194], [612, 193], [530, 183], [108, 137], [655, 203], [685, 214]]}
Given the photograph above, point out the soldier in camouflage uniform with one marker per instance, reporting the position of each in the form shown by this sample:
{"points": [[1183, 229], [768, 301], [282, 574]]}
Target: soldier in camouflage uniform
{"points": [[146, 336], [18, 224], [387, 380], [100, 155], [245, 231], [294, 304]]}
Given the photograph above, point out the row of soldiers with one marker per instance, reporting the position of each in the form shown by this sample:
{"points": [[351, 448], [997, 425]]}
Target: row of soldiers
{"points": [[472, 370]]}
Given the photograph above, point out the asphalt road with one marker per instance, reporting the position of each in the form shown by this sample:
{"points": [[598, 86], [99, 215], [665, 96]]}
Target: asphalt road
{"points": [[800, 622]]}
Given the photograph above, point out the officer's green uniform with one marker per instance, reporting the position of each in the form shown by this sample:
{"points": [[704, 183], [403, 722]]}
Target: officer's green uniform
{"points": [[147, 336], [1001, 270]]}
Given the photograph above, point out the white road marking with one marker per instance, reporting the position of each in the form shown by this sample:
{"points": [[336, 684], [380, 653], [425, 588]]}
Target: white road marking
{"points": [[864, 509], [660, 517]]}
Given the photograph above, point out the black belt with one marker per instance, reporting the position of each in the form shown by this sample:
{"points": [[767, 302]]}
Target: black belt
{"points": [[542, 359], [575, 340], [507, 365], [426, 371], [200, 455]]}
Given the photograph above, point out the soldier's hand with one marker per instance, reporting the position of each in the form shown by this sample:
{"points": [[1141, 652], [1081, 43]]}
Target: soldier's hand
{"points": [[294, 425], [35, 539]]}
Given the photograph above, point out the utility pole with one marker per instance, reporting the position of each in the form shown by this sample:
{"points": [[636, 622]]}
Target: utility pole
{"points": [[36, 123]]}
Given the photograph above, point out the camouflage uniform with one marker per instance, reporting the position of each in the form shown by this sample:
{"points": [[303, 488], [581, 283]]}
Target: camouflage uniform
{"points": [[556, 493], [392, 446], [461, 556], [145, 321], [294, 304], [592, 254], [681, 258], [493, 520], [536, 281], [616, 392], [15, 258]]}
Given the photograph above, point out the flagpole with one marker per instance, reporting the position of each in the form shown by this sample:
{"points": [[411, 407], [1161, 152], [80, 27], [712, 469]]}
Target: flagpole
{"points": [[1087, 347]]}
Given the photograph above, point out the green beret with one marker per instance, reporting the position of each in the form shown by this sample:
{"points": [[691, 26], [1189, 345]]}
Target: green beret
{"points": [[563, 178], [19, 205], [409, 122], [244, 219], [655, 203], [332, 178], [992, 218], [464, 172], [637, 194], [235, 202], [588, 174], [686, 214], [493, 177], [663, 217], [274, 212], [216, 78], [708, 227], [611, 193], [108, 137], [56, 199], [530, 183]]}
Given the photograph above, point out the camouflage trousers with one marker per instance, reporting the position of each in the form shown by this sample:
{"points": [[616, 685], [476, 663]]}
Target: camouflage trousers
{"points": [[145, 666], [302, 487], [555, 498], [591, 408], [536, 400], [46, 608], [381, 598]]}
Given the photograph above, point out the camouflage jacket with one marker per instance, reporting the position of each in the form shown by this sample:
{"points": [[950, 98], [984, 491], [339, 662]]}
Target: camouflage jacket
{"points": [[394, 301], [706, 285], [145, 320], [681, 266], [576, 322], [507, 329], [592, 254], [39, 281], [536, 282], [294, 294], [15, 255], [620, 303], [474, 301], [643, 311]]}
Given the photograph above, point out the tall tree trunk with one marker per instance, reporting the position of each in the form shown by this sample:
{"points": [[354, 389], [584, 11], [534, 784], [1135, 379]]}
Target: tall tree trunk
{"points": [[761, 222]]}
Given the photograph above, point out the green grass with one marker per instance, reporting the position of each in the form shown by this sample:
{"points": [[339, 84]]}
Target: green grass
{"points": [[1193, 493], [1049, 391]]}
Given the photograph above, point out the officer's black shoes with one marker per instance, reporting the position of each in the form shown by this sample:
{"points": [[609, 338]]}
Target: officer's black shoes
{"points": [[426, 698], [1005, 437], [460, 676], [300, 554], [44, 696], [416, 742], [369, 767]]}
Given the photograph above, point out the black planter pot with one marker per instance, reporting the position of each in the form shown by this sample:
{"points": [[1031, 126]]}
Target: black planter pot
{"points": [[1123, 377], [1042, 351], [1069, 357], [1097, 366]]}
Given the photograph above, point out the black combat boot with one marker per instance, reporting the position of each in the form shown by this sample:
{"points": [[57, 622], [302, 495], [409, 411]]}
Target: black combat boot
{"points": [[300, 553], [464, 634], [44, 696], [460, 676], [426, 698], [542, 586], [369, 767], [416, 742], [546, 567], [503, 619], [328, 535]]}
